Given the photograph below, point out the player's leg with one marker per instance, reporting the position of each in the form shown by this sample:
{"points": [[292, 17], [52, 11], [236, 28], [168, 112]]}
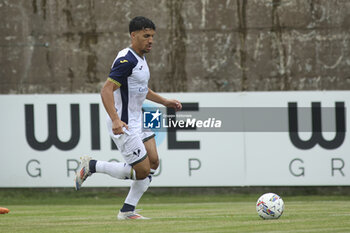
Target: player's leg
{"points": [[139, 187], [88, 166], [152, 153], [133, 151]]}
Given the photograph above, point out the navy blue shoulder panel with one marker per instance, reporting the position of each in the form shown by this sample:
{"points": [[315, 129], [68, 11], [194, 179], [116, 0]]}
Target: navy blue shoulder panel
{"points": [[122, 68]]}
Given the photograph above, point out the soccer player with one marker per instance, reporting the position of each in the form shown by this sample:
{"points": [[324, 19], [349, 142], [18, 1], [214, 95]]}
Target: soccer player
{"points": [[123, 93]]}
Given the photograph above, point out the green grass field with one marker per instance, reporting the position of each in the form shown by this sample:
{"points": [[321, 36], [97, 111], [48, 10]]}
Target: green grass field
{"points": [[68, 211]]}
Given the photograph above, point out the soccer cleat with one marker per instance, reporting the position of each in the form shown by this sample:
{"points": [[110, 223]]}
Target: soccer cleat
{"points": [[130, 215], [83, 173]]}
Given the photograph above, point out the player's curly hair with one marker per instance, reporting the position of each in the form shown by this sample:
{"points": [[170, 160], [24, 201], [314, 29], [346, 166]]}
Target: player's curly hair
{"points": [[140, 23]]}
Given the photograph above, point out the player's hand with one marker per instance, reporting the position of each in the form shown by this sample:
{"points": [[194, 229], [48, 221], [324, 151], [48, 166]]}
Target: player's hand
{"points": [[173, 104], [117, 127]]}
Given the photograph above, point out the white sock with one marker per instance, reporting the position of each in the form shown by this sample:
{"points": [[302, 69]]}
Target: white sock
{"points": [[117, 170], [137, 189]]}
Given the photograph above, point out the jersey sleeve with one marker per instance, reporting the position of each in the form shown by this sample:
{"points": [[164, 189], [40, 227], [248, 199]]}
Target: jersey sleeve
{"points": [[121, 70]]}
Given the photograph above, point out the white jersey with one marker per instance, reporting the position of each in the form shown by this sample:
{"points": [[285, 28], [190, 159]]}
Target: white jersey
{"points": [[131, 73]]}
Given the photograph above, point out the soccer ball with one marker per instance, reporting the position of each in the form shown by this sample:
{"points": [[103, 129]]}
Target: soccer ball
{"points": [[270, 206]]}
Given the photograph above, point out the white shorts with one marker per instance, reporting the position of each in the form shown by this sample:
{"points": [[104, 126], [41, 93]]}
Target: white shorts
{"points": [[131, 144]]}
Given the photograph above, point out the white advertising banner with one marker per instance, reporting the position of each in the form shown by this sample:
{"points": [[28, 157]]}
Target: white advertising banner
{"points": [[232, 139]]}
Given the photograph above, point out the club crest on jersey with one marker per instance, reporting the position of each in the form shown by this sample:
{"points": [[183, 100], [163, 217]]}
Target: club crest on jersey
{"points": [[152, 119]]}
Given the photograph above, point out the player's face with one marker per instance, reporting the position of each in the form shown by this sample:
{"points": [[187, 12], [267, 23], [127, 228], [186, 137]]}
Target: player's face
{"points": [[142, 40]]}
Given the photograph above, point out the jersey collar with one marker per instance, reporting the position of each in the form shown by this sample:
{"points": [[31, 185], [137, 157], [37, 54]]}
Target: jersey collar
{"points": [[143, 58]]}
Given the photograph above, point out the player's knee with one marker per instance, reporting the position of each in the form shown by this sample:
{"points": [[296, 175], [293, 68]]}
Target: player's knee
{"points": [[142, 173], [154, 164]]}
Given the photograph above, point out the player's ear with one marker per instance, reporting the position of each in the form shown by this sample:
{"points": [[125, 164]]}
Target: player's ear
{"points": [[133, 34]]}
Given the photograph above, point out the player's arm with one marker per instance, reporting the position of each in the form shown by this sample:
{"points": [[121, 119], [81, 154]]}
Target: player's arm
{"points": [[120, 70], [108, 102], [170, 103]]}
